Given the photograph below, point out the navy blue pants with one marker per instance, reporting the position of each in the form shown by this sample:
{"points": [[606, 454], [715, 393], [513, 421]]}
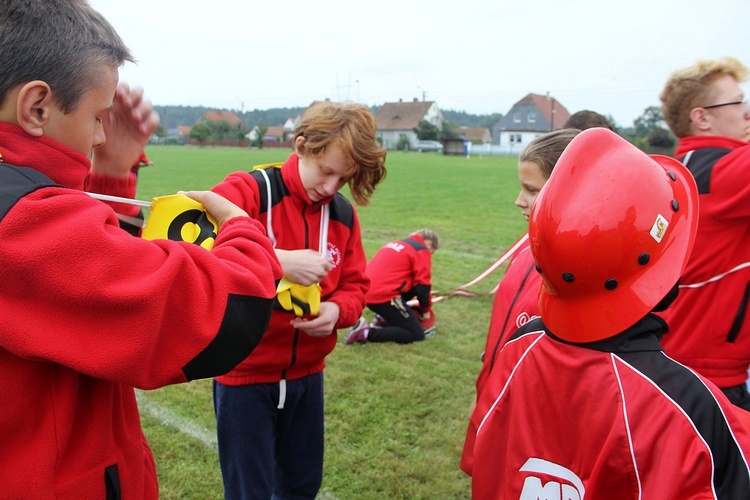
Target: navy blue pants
{"points": [[267, 452]]}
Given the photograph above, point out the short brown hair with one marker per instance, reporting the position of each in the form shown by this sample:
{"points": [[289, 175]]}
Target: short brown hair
{"points": [[546, 149], [690, 88], [429, 234], [61, 42], [351, 127], [585, 119]]}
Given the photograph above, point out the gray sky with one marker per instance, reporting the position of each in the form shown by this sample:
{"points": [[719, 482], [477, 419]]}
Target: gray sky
{"points": [[478, 56]]}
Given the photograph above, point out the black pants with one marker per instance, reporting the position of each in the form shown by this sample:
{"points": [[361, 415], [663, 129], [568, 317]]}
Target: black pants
{"points": [[403, 325], [737, 395]]}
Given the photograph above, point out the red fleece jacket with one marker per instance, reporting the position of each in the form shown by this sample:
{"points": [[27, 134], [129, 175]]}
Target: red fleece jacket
{"points": [[286, 352], [89, 311]]}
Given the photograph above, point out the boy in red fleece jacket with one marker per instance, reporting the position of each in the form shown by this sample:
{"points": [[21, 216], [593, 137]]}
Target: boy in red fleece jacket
{"points": [[269, 410], [88, 311]]}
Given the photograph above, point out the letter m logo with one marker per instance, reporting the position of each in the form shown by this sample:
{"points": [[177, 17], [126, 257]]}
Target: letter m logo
{"points": [[570, 487]]}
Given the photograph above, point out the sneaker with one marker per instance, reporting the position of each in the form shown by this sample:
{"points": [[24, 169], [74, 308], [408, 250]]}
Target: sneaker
{"points": [[378, 322], [357, 333], [430, 332]]}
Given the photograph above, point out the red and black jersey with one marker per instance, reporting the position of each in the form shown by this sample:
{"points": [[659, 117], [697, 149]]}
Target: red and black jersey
{"points": [[710, 321], [286, 352], [88, 312], [516, 303], [614, 419], [400, 267]]}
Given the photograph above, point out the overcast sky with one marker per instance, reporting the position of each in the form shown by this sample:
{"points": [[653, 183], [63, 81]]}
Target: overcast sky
{"points": [[478, 56]]}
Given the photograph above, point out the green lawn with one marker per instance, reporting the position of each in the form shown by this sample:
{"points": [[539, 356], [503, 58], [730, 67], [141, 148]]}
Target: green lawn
{"points": [[395, 415]]}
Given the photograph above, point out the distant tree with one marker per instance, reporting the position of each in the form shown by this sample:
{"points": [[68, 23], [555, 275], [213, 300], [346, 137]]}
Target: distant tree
{"points": [[490, 120], [160, 132], [260, 131], [201, 132], [403, 144], [451, 130], [464, 119], [426, 131], [648, 121]]}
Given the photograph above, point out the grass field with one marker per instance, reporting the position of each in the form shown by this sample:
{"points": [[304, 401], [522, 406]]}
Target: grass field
{"points": [[395, 415]]}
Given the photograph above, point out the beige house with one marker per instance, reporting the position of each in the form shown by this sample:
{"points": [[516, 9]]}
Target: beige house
{"points": [[396, 121]]}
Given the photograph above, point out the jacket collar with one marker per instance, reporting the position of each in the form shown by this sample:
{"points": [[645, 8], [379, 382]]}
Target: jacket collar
{"points": [[694, 142], [643, 336], [52, 158]]}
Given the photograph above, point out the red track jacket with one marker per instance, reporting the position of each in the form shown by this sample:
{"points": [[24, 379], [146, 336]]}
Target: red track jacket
{"points": [[614, 419], [284, 351], [399, 267], [710, 322], [516, 302], [89, 311]]}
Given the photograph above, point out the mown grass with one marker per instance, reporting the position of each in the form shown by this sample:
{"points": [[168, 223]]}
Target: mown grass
{"points": [[395, 415]]}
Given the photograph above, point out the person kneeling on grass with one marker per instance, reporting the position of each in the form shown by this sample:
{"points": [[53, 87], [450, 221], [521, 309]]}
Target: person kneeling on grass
{"points": [[399, 272]]}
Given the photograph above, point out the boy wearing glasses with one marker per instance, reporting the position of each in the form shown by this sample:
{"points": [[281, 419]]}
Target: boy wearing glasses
{"points": [[706, 109]]}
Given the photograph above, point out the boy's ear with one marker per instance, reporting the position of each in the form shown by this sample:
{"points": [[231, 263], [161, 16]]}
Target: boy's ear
{"points": [[299, 145], [700, 120], [34, 107]]}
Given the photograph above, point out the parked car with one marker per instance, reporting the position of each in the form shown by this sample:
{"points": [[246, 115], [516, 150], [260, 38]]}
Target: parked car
{"points": [[429, 146]]}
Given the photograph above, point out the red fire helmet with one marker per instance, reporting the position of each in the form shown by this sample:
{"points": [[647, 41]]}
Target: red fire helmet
{"points": [[611, 232]]}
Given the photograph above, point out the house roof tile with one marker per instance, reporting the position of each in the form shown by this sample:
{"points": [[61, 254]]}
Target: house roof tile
{"points": [[401, 115], [218, 116]]}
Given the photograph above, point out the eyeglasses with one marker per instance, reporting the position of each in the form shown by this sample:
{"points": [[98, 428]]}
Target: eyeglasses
{"points": [[744, 103]]}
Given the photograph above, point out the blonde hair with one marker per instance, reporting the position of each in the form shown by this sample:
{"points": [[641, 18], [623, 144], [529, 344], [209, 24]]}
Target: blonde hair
{"points": [[429, 234], [690, 88], [351, 127], [546, 149]]}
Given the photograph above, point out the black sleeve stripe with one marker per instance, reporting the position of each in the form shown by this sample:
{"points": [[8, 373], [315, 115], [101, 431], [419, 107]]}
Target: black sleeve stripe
{"points": [[341, 211], [17, 182], [414, 244], [245, 321], [689, 392], [701, 164]]}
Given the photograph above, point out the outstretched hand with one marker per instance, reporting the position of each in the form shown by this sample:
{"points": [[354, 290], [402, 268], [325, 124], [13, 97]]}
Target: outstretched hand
{"points": [[127, 128]]}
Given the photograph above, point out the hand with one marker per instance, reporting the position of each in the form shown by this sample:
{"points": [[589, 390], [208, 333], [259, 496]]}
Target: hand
{"points": [[304, 267], [216, 206], [323, 324], [127, 129]]}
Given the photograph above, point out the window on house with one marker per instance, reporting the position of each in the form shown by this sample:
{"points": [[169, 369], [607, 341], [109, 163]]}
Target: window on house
{"points": [[516, 117], [531, 117], [518, 138]]}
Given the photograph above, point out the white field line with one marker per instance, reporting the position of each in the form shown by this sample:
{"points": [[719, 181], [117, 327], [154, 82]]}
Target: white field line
{"points": [[186, 426], [190, 428]]}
